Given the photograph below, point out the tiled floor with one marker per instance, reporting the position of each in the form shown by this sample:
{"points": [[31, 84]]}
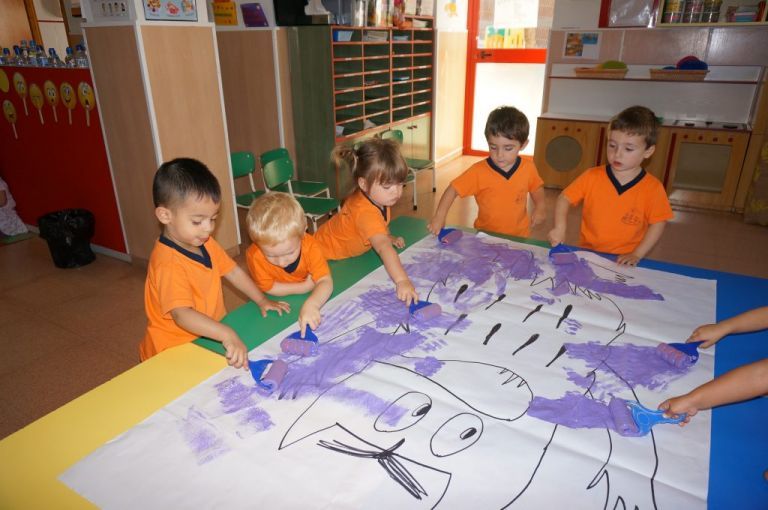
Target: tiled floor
{"points": [[63, 332]]}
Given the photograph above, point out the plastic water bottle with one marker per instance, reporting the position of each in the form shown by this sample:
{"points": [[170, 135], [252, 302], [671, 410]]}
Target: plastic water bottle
{"points": [[6, 59], [32, 53], [69, 58], [16, 59], [24, 49], [81, 58], [53, 58], [42, 57]]}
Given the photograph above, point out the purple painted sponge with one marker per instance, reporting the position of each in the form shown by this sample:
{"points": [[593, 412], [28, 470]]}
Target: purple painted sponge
{"points": [[562, 255], [680, 355], [623, 422], [449, 235], [424, 310], [294, 344], [275, 373]]}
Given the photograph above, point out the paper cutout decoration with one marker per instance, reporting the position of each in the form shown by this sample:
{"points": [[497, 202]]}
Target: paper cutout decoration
{"points": [[36, 96], [52, 96], [87, 100], [20, 84], [9, 111], [4, 83], [68, 98]]}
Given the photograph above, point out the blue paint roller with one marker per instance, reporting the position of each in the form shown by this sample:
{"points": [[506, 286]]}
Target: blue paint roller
{"points": [[275, 372], [562, 255], [630, 418], [294, 344], [424, 310], [681, 355], [449, 235]]}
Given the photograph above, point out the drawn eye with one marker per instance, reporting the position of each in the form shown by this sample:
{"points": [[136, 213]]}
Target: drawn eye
{"points": [[403, 412], [457, 434]]}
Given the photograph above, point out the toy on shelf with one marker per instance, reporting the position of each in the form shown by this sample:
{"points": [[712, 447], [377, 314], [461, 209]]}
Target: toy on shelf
{"points": [[610, 69], [688, 68]]}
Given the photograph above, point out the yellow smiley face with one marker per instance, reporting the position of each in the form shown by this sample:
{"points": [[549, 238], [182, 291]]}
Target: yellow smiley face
{"points": [[68, 95], [51, 93], [4, 83], [85, 93], [20, 84], [36, 95], [9, 111]]}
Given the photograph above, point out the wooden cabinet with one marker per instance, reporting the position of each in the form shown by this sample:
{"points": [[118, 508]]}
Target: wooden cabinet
{"points": [[704, 167], [416, 136], [565, 148]]}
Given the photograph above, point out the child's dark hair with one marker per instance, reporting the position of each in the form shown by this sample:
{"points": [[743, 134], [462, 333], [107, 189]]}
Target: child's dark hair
{"points": [[636, 120], [177, 179], [508, 122], [375, 160]]}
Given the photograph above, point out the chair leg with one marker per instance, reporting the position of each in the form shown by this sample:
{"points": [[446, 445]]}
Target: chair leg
{"points": [[434, 178], [415, 195]]}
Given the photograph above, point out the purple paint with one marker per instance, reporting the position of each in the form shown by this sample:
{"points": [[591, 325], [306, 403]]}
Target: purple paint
{"points": [[234, 395], [371, 404], [574, 410], [382, 303], [571, 326], [580, 274], [256, 419], [428, 366], [201, 437], [636, 365], [392, 415], [538, 298]]}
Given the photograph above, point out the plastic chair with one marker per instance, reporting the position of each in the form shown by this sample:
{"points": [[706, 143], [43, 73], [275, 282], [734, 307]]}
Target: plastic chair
{"points": [[414, 165], [278, 172], [244, 165], [300, 188]]}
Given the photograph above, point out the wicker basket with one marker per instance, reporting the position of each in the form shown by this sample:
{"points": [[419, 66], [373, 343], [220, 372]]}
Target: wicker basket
{"points": [[597, 72], [679, 74]]}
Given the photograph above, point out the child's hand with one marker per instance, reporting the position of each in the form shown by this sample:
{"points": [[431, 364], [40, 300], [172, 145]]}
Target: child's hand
{"points": [[309, 315], [538, 216], [684, 404], [236, 352], [556, 236], [628, 259], [435, 225], [277, 306], [307, 285], [710, 334], [397, 242], [406, 292]]}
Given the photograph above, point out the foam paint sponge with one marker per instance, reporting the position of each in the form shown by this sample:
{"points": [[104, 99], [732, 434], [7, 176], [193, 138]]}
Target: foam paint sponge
{"points": [[268, 373], [632, 419], [294, 344], [562, 254], [424, 310], [681, 355], [449, 235]]}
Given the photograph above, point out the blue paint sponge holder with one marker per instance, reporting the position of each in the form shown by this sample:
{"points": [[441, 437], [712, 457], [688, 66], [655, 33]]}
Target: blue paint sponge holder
{"points": [[563, 254], [295, 344], [449, 235], [424, 310], [646, 418]]}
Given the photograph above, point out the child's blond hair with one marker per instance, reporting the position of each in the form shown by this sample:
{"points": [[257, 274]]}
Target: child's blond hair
{"points": [[275, 217]]}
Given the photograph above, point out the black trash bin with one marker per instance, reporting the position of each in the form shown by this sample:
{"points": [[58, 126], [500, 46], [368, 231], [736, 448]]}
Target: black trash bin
{"points": [[68, 234]]}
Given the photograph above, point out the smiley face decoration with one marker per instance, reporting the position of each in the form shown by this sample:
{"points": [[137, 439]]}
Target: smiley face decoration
{"points": [[87, 100], [20, 84], [52, 97], [68, 98], [9, 111], [4, 83], [36, 95]]}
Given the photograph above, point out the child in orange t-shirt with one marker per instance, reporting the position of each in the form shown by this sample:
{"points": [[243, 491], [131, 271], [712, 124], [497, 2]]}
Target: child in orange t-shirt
{"points": [[378, 172], [182, 295], [283, 258], [625, 208], [501, 183]]}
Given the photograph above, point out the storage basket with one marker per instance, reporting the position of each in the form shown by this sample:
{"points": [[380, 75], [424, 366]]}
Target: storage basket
{"points": [[679, 74], [597, 72]]}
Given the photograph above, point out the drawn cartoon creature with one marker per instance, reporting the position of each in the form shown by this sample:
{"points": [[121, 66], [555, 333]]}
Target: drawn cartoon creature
{"points": [[187, 6], [450, 8], [154, 5], [9, 111]]}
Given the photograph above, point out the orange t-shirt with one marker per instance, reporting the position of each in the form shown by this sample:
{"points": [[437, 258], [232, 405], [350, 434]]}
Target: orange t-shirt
{"points": [[178, 278], [615, 218], [310, 263], [502, 198], [348, 234]]}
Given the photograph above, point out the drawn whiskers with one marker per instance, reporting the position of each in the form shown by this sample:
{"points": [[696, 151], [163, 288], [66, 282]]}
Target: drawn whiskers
{"points": [[386, 459]]}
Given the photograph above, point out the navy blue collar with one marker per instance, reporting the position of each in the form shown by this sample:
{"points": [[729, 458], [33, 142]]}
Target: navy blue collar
{"points": [[290, 268], [204, 259], [383, 210], [501, 172], [617, 185]]}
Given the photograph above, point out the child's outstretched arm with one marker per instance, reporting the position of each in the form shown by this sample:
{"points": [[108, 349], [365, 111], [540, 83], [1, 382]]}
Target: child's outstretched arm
{"points": [[710, 334], [539, 213], [309, 314], [404, 288], [557, 234], [242, 282], [737, 385], [289, 289], [650, 239], [438, 219], [200, 324]]}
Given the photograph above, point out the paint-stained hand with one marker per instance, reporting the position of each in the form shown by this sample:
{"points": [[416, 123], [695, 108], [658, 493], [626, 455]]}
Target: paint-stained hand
{"points": [[397, 242], [710, 334], [309, 315], [556, 236], [684, 404], [277, 306], [435, 225], [406, 292], [236, 352], [627, 259]]}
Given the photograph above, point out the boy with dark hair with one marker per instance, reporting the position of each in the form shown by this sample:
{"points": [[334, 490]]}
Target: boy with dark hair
{"points": [[501, 183], [182, 294], [625, 209]]}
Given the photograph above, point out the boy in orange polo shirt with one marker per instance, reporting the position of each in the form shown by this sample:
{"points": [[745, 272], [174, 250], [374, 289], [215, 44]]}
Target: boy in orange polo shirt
{"points": [[501, 183], [283, 258], [182, 295], [625, 208]]}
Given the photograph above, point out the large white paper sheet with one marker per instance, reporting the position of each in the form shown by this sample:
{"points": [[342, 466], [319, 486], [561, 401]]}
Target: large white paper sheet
{"points": [[396, 412]]}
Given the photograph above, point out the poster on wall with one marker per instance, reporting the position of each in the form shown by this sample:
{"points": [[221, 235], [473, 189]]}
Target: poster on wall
{"points": [[170, 10], [254, 15], [584, 45], [450, 15], [225, 13]]}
